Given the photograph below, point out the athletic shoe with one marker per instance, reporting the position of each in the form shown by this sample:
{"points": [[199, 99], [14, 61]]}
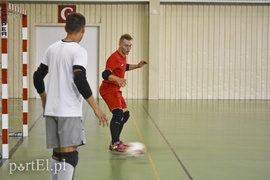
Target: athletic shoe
{"points": [[117, 146], [121, 142]]}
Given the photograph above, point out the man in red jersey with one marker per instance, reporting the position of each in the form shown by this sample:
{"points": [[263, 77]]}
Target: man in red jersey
{"points": [[114, 79]]}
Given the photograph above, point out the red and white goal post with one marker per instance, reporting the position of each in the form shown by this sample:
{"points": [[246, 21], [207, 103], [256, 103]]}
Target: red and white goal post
{"points": [[6, 9]]}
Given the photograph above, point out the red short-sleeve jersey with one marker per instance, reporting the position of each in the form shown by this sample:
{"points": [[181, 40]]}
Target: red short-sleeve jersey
{"points": [[116, 63]]}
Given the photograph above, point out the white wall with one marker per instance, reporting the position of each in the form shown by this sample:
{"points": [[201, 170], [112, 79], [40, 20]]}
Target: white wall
{"points": [[214, 52]]}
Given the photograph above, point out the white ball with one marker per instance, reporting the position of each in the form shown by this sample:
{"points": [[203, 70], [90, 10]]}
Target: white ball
{"points": [[135, 149]]}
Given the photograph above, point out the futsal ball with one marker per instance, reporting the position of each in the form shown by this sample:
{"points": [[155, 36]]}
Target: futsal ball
{"points": [[135, 149]]}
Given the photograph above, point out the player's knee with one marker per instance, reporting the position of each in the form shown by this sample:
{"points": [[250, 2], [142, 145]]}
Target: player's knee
{"points": [[70, 157], [118, 115], [126, 117]]}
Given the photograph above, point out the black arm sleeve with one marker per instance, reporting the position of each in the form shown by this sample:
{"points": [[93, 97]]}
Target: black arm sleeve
{"points": [[127, 67], [80, 81], [106, 74], [38, 77]]}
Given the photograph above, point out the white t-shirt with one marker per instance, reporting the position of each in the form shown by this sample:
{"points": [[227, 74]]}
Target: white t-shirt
{"points": [[63, 97]]}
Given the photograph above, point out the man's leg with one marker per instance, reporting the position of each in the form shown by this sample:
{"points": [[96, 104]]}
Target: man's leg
{"points": [[64, 159], [115, 124], [125, 119], [63, 163], [53, 168], [115, 105]]}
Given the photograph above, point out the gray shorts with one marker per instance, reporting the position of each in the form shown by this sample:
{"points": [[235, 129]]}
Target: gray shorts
{"points": [[64, 131]]}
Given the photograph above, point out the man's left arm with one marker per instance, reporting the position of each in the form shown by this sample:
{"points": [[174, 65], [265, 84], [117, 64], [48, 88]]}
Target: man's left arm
{"points": [[135, 66]]}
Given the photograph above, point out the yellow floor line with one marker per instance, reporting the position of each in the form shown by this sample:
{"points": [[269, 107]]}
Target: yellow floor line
{"points": [[147, 152]]}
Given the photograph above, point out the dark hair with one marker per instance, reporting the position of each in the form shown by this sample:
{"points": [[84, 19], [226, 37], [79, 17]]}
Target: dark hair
{"points": [[74, 22], [125, 36]]}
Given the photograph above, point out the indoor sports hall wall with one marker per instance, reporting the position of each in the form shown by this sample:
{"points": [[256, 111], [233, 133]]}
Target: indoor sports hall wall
{"points": [[214, 51], [206, 51]]}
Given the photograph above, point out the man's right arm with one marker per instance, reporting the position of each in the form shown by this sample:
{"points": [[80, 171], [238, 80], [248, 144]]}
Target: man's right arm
{"points": [[107, 75], [38, 79]]}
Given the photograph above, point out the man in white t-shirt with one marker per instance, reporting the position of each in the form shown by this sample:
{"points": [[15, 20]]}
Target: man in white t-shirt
{"points": [[64, 64]]}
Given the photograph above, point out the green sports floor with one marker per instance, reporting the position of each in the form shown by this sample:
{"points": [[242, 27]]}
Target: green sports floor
{"points": [[185, 139]]}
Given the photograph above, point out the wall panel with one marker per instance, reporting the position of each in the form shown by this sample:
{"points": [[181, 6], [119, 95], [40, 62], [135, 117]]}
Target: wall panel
{"points": [[214, 51]]}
